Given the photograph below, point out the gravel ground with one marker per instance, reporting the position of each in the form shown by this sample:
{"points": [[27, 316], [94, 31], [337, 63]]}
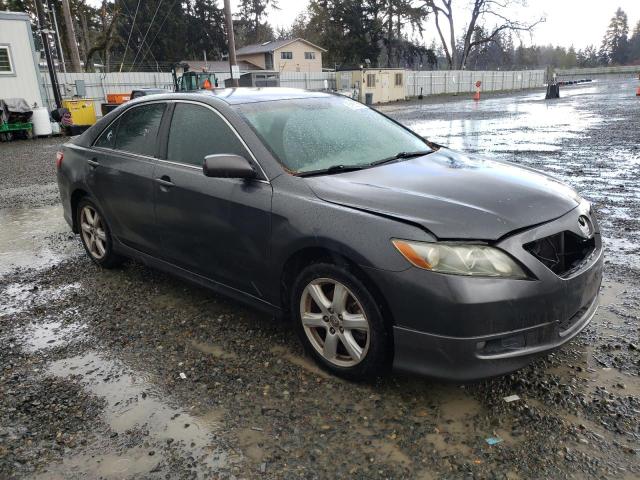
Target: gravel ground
{"points": [[134, 374]]}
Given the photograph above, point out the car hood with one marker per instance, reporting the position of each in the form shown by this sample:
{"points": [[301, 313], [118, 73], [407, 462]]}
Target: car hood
{"points": [[452, 195]]}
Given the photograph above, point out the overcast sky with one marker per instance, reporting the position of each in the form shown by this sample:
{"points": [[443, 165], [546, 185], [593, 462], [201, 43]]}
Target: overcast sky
{"points": [[569, 22]]}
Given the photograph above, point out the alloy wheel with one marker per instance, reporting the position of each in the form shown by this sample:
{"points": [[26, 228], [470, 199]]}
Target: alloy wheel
{"points": [[335, 322], [93, 232]]}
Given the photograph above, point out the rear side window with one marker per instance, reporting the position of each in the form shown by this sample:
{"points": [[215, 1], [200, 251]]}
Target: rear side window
{"points": [[107, 138], [197, 132], [138, 129]]}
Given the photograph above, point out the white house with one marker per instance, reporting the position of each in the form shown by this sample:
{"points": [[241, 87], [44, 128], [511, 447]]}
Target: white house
{"points": [[19, 73]]}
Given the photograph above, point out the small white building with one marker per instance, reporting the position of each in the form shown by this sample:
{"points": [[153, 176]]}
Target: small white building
{"points": [[383, 84], [19, 73]]}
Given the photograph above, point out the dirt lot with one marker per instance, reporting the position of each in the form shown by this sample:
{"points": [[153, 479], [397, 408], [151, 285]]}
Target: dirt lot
{"points": [[133, 374]]}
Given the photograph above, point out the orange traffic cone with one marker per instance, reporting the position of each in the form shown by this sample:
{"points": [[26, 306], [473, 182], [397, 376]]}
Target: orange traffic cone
{"points": [[476, 97]]}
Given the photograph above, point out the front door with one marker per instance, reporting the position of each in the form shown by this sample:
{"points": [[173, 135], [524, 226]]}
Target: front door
{"points": [[121, 175], [216, 227]]}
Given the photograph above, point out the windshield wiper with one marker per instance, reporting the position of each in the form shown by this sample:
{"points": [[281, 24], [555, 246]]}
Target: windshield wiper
{"points": [[402, 155], [333, 169], [351, 168]]}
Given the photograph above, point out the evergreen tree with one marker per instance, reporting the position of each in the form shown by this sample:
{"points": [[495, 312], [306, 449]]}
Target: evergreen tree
{"points": [[251, 26], [615, 44], [634, 45]]}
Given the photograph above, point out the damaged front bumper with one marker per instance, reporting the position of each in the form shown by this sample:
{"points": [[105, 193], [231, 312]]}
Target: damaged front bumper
{"points": [[462, 328]]}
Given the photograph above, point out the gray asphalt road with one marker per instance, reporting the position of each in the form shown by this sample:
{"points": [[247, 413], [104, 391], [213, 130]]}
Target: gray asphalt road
{"points": [[133, 374]]}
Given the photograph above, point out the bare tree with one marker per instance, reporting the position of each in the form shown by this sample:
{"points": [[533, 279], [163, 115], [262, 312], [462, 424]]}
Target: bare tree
{"points": [[482, 11]]}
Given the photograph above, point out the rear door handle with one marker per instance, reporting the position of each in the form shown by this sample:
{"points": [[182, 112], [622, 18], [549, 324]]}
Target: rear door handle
{"points": [[165, 181], [93, 163]]}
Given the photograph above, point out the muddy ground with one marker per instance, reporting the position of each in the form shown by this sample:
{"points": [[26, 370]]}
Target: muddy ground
{"points": [[133, 374]]}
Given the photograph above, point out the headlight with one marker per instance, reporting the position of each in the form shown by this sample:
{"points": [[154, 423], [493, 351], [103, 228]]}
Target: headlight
{"points": [[460, 259]]}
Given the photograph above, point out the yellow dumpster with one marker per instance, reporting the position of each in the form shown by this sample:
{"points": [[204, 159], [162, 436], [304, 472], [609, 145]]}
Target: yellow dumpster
{"points": [[83, 112]]}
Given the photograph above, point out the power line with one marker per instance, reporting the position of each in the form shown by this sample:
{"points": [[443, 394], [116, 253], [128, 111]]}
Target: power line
{"points": [[139, 32], [147, 32], [130, 32], [158, 32]]}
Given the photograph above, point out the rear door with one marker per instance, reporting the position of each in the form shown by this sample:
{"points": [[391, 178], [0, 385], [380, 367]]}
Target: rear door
{"points": [[121, 175], [217, 227]]}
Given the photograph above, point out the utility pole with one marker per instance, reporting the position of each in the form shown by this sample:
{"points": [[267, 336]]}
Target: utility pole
{"points": [[47, 53], [71, 37], [233, 64], [59, 44]]}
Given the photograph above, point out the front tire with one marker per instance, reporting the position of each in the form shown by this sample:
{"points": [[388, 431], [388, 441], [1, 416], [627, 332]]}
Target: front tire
{"points": [[96, 235], [340, 323]]}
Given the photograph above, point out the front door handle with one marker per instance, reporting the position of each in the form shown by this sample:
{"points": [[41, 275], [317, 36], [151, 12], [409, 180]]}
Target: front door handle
{"points": [[165, 181], [93, 163]]}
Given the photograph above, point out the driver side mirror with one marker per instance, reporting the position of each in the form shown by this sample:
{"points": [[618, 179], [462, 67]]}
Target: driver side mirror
{"points": [[228, 166]]}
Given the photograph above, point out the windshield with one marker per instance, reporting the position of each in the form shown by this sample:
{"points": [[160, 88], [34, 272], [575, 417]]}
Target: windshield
{"points": [[315, 134]]}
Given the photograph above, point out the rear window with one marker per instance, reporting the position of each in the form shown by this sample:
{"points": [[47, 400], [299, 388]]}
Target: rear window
{"points": [[107, 138]]}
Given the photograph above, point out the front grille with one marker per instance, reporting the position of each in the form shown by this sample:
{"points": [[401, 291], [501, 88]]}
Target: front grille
{"points": [[562, 253]]}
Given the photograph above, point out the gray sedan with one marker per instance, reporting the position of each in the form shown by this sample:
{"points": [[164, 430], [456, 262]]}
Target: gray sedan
{"points": [[382, 248]]}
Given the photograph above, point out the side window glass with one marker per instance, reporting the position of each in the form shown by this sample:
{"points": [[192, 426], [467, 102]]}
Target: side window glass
{"points": [[139, 128], [197, 132], [107, 138]]}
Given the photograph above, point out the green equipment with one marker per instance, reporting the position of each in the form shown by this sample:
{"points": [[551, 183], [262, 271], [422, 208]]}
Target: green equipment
{"points": [[20, 129], [190, 81]]}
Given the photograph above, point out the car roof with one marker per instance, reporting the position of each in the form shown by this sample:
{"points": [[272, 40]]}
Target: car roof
{"points": [[150, 89], [236, 96]]}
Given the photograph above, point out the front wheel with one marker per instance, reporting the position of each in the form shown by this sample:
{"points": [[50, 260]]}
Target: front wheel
{"points": [[340, 323], [96, 235]]}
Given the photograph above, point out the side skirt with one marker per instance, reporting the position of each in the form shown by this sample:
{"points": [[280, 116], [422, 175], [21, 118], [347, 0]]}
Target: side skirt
{"points": [[217, 287]]}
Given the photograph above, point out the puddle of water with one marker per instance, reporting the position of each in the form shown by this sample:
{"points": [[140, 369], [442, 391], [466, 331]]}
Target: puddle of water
{"points": [[51, 334], [504, 125], [302, 362], [131, 402], [251, 442], [23, 233], [19, 297], [108, 466], [213, 350], [388, 452]]}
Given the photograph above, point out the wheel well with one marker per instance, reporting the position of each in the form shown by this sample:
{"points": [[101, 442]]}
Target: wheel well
{"points": [[76, 196], [309, 256]]}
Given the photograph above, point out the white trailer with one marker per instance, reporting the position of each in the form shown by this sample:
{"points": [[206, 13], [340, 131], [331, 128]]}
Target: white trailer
{"points": [[19, 72]]}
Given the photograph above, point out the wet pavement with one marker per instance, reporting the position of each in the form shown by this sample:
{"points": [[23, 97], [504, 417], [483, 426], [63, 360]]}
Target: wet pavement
{"points": [[131, 373]]}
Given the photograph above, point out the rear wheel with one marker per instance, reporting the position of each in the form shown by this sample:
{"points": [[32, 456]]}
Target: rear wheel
{"points": [[96, 235], [339, 322]]}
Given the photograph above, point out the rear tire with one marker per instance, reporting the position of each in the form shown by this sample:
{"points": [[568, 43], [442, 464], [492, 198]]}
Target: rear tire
{"points": [[96, 235], [340, 323]]}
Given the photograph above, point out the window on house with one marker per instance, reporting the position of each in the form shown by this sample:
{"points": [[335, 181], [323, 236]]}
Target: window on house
{"points": [[286, 55], [371, 80], [5, 60], [398, 79], [309, 55]]}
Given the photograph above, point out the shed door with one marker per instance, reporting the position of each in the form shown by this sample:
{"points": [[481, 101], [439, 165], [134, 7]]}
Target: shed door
{"points": [[385, 94]]}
